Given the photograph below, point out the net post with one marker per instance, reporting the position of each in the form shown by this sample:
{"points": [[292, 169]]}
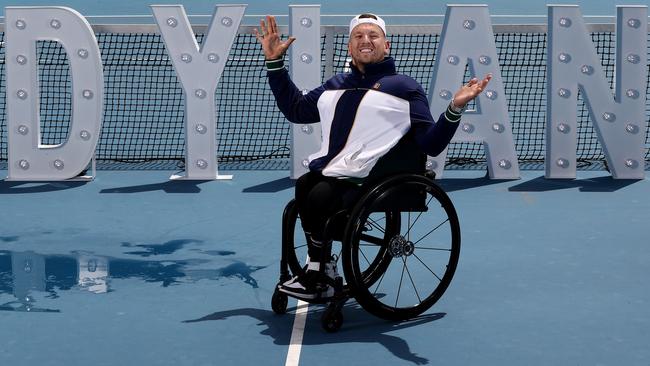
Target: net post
{"points": [[305, 67], [93, 167], [329, 52]]}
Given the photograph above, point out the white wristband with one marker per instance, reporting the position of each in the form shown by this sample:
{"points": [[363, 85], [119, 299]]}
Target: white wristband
{"points": [[456, 109]]}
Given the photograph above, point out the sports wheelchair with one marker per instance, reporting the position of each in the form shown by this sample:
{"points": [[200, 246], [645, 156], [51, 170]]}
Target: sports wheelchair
{"points": [[399, 244]]}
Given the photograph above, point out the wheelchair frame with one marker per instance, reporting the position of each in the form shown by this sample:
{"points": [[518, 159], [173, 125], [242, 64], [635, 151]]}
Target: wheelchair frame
{"points": [[396, 195]]}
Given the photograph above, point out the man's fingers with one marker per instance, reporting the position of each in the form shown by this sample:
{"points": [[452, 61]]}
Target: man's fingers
{"points": [[257, 35], [273, 25], [471, 82], [262, 27], [270, 40], [485, 81], [480, 86]]}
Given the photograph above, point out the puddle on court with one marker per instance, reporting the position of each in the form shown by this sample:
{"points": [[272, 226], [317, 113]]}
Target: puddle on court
{"points": [[169, 247], [23, 274]]}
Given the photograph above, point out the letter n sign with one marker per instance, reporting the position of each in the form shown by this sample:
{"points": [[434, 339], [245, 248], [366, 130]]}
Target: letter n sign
{"points": [[619, 119]]}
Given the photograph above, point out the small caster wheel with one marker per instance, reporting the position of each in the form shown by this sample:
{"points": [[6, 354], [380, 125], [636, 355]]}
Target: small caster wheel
{"points": [[279, 302], [332, 319]]}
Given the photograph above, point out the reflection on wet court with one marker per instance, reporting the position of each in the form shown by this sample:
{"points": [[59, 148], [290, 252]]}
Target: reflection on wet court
{"points": [[23, 273]]}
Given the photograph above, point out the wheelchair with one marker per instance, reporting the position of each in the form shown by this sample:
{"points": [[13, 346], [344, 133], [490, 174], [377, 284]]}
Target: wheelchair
{"points": [[399, 244]]}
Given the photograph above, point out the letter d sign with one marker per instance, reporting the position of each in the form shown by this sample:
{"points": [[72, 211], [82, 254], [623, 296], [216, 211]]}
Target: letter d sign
{"points": [[29, 160]]}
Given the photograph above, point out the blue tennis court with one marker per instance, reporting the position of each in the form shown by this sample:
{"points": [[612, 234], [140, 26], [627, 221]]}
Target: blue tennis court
{"points": [[134, 268]]}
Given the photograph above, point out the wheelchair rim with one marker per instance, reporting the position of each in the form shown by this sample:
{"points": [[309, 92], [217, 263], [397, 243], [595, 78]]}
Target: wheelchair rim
{"points": [[368, 297]]}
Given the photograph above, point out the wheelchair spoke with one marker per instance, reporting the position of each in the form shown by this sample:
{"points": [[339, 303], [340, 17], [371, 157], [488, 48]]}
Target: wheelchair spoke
{"points": [[364, 256], [379, 284], [374, 224], [411, 278], [371, 239], [432, 230], [441, 249], [400, 284], [418, 258], [417, 218]]}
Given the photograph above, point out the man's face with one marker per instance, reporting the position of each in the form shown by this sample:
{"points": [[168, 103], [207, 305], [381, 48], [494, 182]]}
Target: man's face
{"points": [[367, 44]]}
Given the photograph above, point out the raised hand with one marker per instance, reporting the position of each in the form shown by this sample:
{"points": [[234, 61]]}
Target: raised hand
{"points": [[268, 36], [470, 90]]}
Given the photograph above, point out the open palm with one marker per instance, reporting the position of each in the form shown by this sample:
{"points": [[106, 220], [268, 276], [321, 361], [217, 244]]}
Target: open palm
{"points": [[268, 36], [470, 90]]}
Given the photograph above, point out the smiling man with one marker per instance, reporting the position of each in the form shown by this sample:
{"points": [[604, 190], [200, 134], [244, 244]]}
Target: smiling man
{"points": [[363, 114]]}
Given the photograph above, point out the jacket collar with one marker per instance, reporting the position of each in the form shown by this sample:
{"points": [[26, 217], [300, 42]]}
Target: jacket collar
{"points": [[382, 68]]}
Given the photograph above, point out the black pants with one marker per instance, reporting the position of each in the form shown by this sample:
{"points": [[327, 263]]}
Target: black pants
{"points": [[319, 197]]}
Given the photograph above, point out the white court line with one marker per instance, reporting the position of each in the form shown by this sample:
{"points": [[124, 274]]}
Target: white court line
{"points": [[295, 344]]}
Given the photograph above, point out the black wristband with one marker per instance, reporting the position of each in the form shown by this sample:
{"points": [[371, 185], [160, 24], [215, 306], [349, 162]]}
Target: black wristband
{"points": [[273, 65], [451, 115]]}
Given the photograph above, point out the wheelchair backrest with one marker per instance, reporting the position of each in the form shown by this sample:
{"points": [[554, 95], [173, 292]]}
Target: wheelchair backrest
{"points": [[405, 157]]}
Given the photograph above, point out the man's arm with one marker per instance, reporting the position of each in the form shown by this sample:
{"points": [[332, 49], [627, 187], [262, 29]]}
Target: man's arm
{"points": [[295, 106], [433, 137]]}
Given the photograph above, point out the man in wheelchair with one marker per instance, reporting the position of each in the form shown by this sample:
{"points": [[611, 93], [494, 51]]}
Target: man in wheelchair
{"points": [[364, 114]]}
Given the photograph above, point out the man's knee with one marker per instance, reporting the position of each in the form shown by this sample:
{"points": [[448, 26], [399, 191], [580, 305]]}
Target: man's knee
{"points": [[323, 196], [306, 182]]}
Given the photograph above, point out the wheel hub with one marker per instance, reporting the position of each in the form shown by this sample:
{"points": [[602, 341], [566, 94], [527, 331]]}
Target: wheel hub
{"points": [[399, 246]]}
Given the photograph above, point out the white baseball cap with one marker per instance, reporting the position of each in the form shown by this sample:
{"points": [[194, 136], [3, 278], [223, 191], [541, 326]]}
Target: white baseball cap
{"points": [[356, 21]]}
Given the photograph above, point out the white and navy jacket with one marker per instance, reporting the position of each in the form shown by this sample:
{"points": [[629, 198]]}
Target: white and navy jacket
{"points": [[363, 115]]}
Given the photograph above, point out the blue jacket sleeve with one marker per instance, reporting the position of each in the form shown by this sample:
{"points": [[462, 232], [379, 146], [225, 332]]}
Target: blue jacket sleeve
{"points": [[431, 136], [295, 106]]}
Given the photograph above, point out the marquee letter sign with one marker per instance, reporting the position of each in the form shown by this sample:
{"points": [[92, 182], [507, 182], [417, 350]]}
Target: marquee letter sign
{"points": [[28, 159], [467, 39], [304, 24], [199, 70], [619, 120]]}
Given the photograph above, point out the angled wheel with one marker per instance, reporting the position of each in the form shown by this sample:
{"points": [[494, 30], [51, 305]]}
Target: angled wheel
{"points": [[418, 259], [332, 319], [295, 242], [279, 302]]}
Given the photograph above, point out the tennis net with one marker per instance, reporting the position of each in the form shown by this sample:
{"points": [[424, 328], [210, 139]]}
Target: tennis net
{"points": [[144, 106]]}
